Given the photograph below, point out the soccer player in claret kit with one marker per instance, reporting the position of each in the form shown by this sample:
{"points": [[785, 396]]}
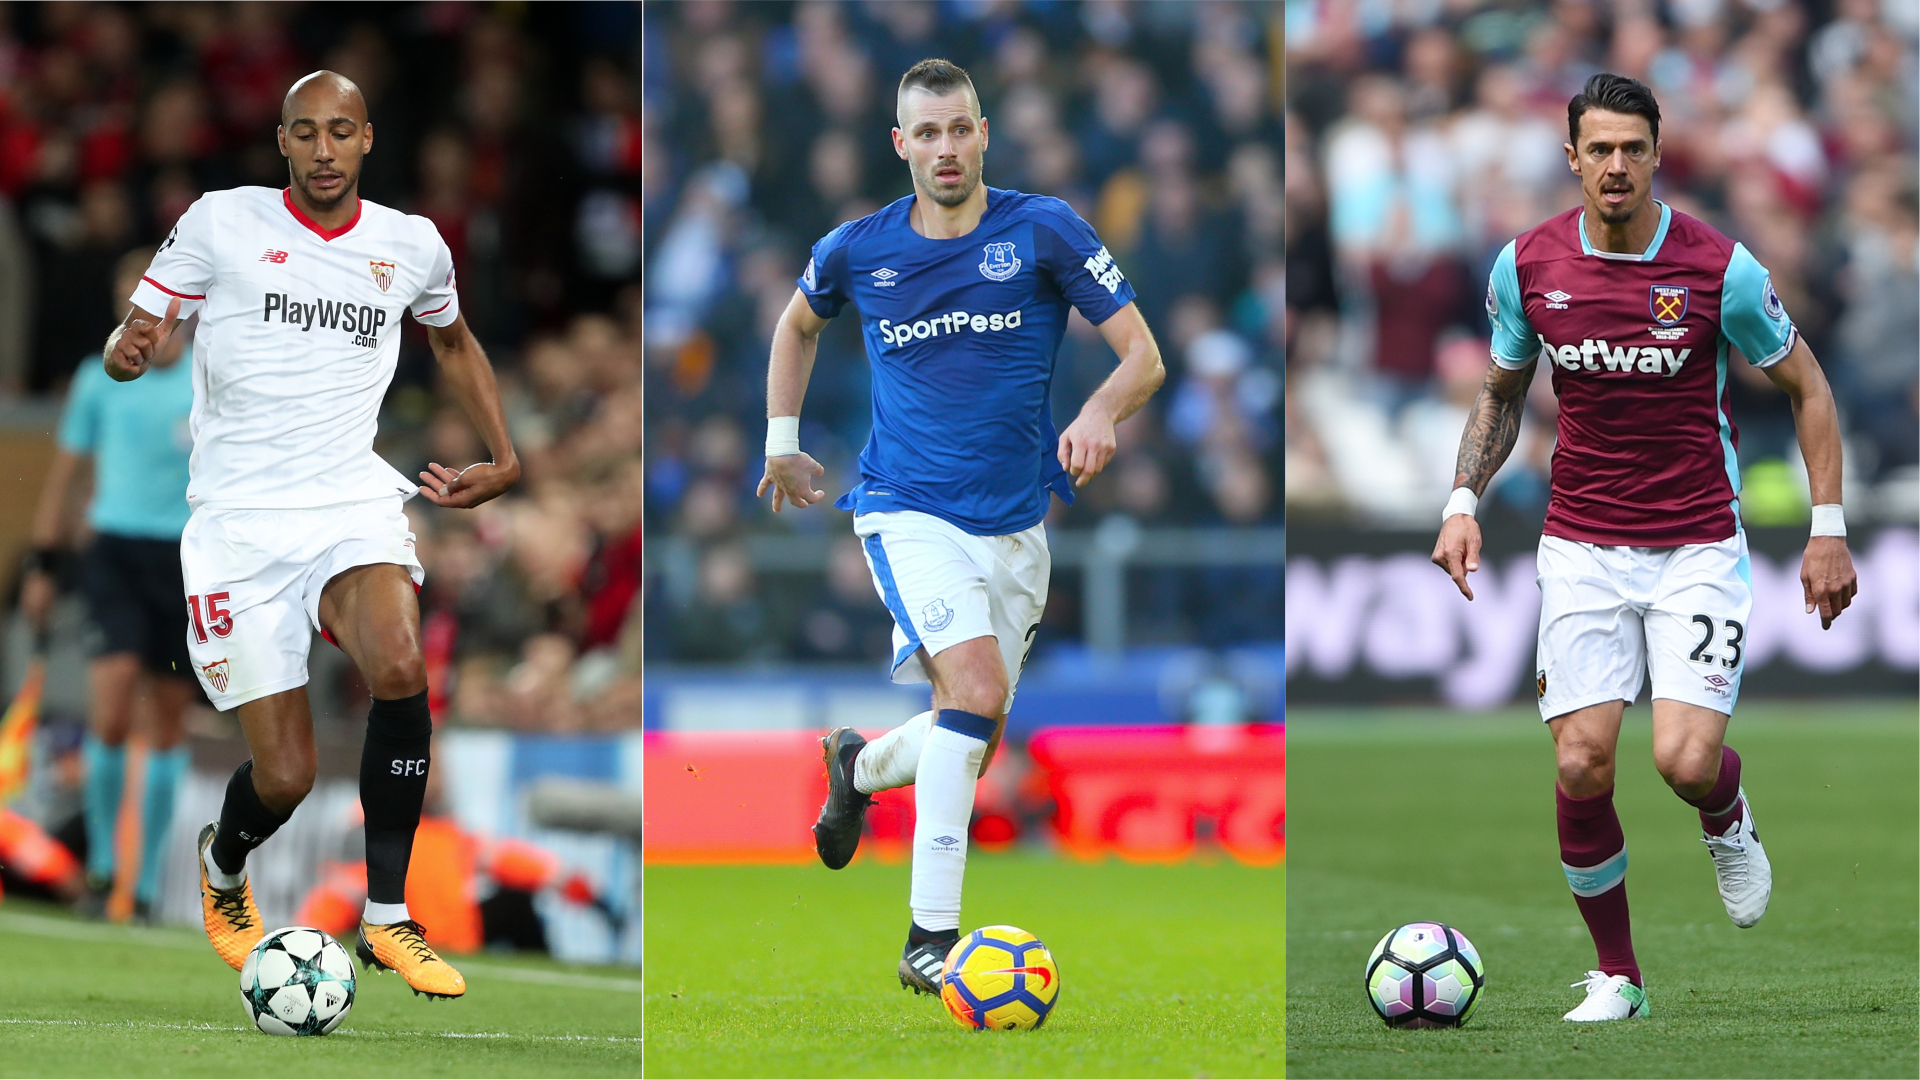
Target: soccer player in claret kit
{"points": [[963, 293], [296, 523], [1643, 564]]}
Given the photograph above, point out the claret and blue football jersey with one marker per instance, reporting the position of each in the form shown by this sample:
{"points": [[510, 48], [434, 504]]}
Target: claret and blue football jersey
{"points": [[961, 335]]}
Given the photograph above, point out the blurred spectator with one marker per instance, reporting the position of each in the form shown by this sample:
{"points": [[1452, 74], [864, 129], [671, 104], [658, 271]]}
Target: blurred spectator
{"points": [[1422, 138], [763, 128], [517, 131]]}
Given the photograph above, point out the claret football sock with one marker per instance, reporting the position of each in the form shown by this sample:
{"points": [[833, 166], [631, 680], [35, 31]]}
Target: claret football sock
{"points": [[1720, 808], [943, 807], [245, 824], [1593, 852], [393, 787], [106, 774], [893, 759]]}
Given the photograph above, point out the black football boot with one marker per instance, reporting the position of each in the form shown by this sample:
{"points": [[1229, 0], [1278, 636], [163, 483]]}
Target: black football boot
{"points": [[836, 836]]}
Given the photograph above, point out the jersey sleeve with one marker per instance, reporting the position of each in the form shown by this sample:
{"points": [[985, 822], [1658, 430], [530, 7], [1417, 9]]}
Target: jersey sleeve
{"points": [[439, 302], [183, 267], [1080, 265], [824, 281], [1751, 315], [1515, 343], [80, 419]]}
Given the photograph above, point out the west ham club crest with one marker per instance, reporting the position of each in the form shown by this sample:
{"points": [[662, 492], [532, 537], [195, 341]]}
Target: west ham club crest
{"points": [[1668, 303]]}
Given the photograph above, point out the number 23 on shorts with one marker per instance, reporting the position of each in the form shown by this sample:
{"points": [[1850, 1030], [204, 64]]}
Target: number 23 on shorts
{"points": [[217, 620]]}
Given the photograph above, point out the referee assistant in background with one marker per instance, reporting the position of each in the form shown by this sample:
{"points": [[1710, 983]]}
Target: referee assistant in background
{"points": [[137, 437]]}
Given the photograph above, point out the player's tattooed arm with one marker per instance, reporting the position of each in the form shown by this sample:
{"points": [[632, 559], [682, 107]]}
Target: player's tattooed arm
{"points": [[796, 338], [470, 379], [1493, 426]]}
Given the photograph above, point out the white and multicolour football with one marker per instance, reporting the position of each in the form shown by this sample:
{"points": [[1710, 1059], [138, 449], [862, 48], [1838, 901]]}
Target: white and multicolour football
{"points": [[297, 981]]}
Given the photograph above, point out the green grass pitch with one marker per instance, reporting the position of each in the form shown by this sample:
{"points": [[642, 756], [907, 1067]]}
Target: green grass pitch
{"points": [[89, 999], [1165, 970], [1403, 815]]}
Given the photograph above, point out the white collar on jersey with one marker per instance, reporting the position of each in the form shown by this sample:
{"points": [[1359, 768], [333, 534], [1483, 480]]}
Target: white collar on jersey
{"points": [[1653, 248]]}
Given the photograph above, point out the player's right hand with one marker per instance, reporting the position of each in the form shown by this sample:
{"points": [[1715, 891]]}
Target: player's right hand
{"points": [[790, 477], [132, 352], [1458, 550]]}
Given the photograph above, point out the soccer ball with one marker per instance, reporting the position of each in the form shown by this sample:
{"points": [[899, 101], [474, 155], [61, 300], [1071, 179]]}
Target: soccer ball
{"points": [[1424, 974], [999, 977], [297, 981]]}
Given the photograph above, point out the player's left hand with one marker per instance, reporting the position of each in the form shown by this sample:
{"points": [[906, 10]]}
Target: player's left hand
{"points": [[1827, 578], [470, 486], [1086, 446]]}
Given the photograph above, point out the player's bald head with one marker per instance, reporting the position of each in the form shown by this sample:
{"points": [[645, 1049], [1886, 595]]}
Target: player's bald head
{"points": [[323, 96]]}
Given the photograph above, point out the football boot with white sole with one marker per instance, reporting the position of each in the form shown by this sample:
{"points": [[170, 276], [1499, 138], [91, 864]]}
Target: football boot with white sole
{"points": [[1741, 869], [1609, 997], [920, 965], [836, 835]]}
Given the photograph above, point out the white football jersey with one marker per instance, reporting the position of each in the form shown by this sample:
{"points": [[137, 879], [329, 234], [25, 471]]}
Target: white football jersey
{"points": [[298, 337]]}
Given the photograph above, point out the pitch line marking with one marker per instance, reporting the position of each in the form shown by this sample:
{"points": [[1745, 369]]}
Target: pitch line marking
{"points": [[167, 939], [150, 1024]]}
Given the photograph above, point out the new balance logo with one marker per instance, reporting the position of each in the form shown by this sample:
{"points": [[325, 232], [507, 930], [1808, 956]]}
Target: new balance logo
{"points": [[273, 256], [883, 278]]}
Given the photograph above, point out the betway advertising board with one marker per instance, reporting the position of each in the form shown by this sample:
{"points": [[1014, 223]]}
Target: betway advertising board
{"points": [[1371, 621]]}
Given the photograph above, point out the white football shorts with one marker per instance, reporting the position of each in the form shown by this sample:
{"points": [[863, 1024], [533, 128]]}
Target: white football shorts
{"points": [[945, 586], [254, 579], [1609, 615]]}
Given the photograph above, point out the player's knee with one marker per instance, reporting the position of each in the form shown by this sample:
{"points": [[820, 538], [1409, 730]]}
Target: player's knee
{"points": [[1586, 768], [1686, 770], [285, 780], [397, 674]]}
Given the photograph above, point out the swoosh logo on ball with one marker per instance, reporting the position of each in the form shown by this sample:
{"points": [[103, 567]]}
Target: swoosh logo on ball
{"points": [[1046, 976]]}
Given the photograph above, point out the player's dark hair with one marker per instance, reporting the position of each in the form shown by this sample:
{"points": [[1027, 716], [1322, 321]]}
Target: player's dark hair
{"points": [[1613, 93], [939, 77]]}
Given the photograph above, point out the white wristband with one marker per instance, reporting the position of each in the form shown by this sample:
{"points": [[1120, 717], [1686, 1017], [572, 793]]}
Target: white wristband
{"points": [[783, 435], [1462, 501], [1829, 520]]}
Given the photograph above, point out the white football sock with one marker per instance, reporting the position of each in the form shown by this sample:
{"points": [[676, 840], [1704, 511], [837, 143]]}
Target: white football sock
{"points": [[893, 759], [388, 914], [219, 878], [943, 806]]}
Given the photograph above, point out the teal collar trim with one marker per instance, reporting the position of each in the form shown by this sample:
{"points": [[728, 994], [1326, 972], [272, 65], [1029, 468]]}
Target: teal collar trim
{"points": [[1653, 249]]}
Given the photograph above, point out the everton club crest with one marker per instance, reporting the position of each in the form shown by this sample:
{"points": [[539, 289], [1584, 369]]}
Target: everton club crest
{"points": [[1668, 303], [382, 273], [1000, 263]]}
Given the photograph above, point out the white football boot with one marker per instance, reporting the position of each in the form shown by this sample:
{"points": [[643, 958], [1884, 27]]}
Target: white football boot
{"points": [[1609, 997], [1741, 868]]}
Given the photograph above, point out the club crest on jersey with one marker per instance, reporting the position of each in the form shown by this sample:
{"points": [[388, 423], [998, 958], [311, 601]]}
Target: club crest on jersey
{"points": [[216, 674], [382, 273], [1668, 303], [1001, 263]]}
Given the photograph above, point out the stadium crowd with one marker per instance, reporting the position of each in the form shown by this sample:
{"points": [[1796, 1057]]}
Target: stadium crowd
{"points": [[765, 126], [516, 129], [1422, 137]]}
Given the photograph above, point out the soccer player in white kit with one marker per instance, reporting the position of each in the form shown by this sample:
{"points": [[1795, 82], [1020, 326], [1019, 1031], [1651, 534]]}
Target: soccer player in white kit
{"points": [[296, 522], [963, 293]]}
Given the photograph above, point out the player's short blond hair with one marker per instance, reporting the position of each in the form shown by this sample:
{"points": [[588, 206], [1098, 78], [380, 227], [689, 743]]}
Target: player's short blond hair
{"points": [[937, 77]]}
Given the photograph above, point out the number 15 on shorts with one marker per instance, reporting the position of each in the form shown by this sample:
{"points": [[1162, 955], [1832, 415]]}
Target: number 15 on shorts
{"points": [[217, 618]]}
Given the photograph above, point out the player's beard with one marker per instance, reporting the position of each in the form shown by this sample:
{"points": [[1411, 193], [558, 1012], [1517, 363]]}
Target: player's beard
{"points": [[1616, 215], [946, 196], [349, 183]]}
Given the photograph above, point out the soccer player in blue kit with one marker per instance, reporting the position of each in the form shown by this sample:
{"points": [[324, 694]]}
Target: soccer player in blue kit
{"points": [[963, 293]]}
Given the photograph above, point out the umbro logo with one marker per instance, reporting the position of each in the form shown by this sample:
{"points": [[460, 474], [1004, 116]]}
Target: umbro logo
{"points": [[946, 841], [883, 278], [1558, 300], [273, 256]]}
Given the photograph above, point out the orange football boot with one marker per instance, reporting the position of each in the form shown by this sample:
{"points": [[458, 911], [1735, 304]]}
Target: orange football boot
{"points": [[233, 922], [402, 947]]}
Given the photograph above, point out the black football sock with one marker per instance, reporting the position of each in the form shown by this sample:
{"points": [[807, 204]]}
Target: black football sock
{"points": [[245, 822], [393, 785], [917, 936]]}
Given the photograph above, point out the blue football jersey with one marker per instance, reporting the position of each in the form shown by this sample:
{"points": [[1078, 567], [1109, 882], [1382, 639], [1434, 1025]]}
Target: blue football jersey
{"points": [[962, 335]]}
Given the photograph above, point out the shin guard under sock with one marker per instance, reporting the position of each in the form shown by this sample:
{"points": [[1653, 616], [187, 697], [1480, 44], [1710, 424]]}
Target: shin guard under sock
{"points": [[943, 809], [893, 759], [1593, 852], [106, 778], [393, 787], [1720, 808], [245, 823]]}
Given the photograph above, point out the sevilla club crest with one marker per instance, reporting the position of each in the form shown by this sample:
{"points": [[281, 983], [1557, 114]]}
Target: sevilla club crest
{"points": [[1668, 303], [216, 674], [382, 273]]}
